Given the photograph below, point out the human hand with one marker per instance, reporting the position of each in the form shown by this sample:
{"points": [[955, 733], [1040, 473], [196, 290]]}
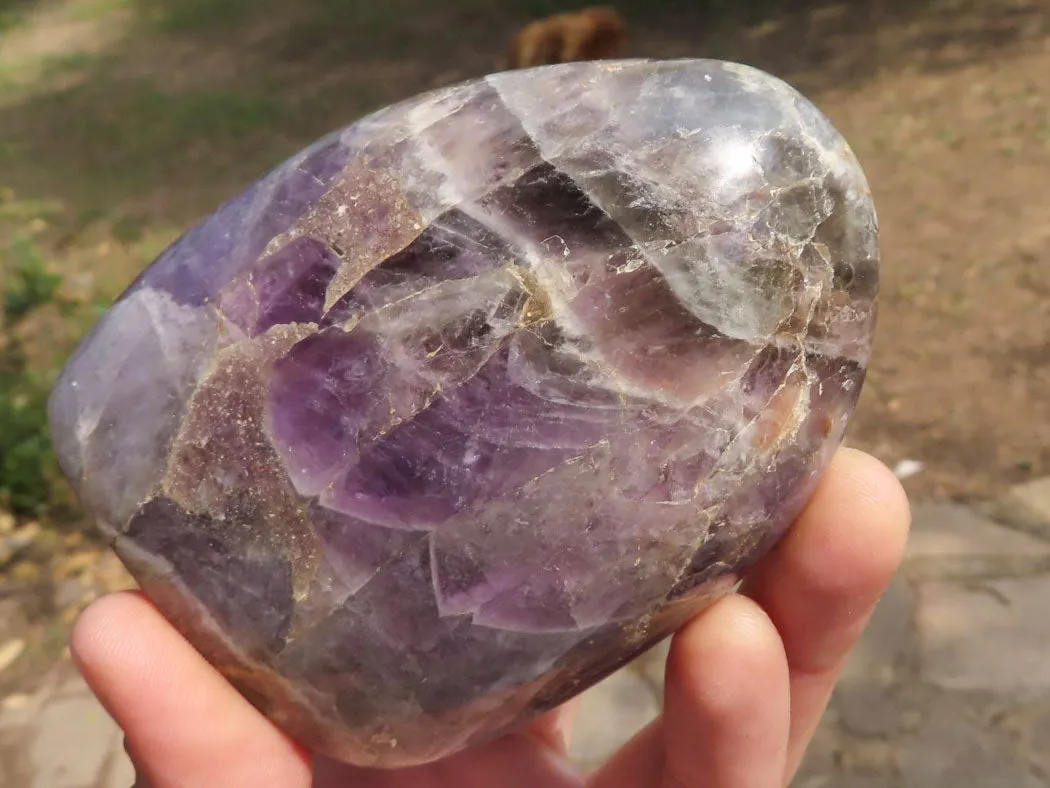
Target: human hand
{"points": [[747, 680]]}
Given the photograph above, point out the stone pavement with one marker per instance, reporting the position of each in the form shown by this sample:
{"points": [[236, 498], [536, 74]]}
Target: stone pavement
{"points": [[60, 737], [949, 688], [950, 685]]}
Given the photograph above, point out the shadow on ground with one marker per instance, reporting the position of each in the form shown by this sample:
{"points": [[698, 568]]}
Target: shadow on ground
{"points": [[161, 108], [122, 121]]}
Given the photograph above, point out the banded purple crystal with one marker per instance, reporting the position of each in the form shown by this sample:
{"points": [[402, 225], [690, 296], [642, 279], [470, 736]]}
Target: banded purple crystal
{"points": [[460, 409]]}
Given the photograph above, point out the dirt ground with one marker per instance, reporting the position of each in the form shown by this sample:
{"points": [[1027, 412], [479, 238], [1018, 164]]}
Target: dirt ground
{"points": [[127, 121], [956, 158]]}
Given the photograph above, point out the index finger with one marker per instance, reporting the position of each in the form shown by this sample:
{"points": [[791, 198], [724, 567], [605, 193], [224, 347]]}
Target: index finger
{"points": [[821, 583], [184, 724]]}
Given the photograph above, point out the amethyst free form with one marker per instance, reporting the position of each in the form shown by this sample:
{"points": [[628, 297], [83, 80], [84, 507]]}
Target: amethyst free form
{"points": [[468, 404]]}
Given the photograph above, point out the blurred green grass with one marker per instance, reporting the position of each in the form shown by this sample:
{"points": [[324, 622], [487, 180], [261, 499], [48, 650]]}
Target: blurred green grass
{"points": [[28, 471]]}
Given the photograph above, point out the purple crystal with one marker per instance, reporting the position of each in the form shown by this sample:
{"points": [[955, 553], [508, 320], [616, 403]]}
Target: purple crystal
{"points": [[465, 406]]}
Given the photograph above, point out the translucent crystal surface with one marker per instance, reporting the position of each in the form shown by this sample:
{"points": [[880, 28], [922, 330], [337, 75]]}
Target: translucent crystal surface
{"points": [[464, 406]]}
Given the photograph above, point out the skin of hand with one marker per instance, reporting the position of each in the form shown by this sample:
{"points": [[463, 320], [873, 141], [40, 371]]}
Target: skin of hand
{"points": [[746, 684]]}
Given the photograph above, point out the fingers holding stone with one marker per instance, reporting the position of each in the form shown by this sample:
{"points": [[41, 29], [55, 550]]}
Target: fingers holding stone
{"points": [[726, 706], [185, 724], [726, 715], [821, 583]]}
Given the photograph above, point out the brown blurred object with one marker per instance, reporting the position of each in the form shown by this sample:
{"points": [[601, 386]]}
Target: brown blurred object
{"points": [[594, 33]]}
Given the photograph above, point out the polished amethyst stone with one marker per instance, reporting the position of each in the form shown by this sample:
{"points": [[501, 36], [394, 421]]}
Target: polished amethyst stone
{"points": [[463, 407]]}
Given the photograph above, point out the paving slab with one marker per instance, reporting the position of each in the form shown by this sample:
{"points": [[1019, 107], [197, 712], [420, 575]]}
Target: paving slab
{"points": [[60, 737], [1027, 506], [954, 749], [992, 635], [886, 639], [120, 773], [73, 741], [948, 539], [611, 712]]}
